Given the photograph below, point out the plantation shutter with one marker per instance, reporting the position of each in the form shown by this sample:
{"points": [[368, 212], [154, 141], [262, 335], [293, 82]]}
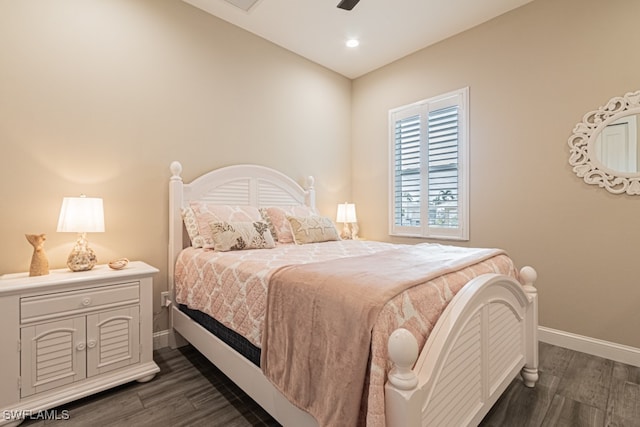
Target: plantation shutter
{"points": [[443, 167], [429, 196], [407, 171]]}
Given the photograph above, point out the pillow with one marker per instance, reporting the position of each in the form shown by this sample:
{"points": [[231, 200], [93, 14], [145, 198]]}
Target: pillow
{"points": [[312, 229], [207, 212], [266, 218], [278, 216], [191, 224], [236, 236]]}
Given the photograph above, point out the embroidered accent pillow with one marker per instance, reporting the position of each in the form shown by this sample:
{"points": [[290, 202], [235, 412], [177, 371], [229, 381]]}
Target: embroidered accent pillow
{"points": [[278, 216], [207, 212], [266, 218], [312, 229], [237, 236], [191, 224]]}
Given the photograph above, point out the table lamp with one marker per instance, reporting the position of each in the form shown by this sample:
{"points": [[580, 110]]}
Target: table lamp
{"points": [[347, 215], [81, 215]]}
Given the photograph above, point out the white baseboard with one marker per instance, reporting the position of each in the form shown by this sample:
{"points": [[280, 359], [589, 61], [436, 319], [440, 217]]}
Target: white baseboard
{"points": [[160, 339], [608, 350]]}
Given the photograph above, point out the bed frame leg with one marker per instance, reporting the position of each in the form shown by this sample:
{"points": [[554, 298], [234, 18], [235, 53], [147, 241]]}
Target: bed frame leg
{"points": [[529, 373], [530, 376]]}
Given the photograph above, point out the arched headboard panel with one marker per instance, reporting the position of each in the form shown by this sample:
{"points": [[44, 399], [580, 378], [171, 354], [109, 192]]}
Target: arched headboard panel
{"points": [[249, 185]]}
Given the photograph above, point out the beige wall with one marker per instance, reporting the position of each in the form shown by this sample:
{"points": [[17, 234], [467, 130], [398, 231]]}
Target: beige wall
{"points": [[532, 73], [98, 97]]}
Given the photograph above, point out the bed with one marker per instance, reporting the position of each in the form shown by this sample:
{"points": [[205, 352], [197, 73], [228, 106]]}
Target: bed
{"points": [[413, 369]]}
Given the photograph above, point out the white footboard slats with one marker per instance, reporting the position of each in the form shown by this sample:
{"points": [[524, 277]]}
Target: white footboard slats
{"points": [[487, 334]]}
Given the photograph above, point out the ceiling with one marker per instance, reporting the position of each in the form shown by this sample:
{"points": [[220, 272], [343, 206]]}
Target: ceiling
{"points": [[387, 29]]}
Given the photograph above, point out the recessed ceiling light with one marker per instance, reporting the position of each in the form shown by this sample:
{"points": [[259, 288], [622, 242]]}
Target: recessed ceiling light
{"points": [[352, 43]]}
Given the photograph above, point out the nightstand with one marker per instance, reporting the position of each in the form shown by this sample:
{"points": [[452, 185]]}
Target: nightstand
{"points": [[68, 334]]}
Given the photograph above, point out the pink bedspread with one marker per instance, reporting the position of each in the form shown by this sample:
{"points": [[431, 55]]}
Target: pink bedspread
{"points": [[232, 287], [320, 316]]}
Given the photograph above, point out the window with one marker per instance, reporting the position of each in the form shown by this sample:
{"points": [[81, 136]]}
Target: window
{"points": [[429, 168]]}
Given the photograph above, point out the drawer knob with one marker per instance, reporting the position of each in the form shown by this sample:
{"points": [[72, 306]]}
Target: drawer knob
{"points": [[80, 346], [91, 343], [86, 301]]}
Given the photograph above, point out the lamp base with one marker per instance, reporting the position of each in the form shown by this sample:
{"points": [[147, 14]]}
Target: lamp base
{"points": [[346, 232], [82, 257], [349, 231], [354, 230]]}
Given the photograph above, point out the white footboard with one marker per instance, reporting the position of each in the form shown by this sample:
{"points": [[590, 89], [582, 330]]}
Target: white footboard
{"points": [[486, 335]]}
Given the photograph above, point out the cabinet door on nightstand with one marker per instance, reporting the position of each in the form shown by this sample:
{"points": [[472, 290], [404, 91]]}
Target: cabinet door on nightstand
{"points": [[52, 355], [113, 340]]}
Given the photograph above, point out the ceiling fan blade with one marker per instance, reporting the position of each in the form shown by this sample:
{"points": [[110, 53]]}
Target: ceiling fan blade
{"points": [[348, 4]]}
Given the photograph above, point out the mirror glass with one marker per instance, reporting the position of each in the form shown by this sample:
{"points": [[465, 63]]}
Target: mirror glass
{"points": [[616, 145], [604, 148]]}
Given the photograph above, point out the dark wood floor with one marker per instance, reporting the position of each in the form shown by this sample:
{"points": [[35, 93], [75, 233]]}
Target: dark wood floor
{"points": [[575, 389]]}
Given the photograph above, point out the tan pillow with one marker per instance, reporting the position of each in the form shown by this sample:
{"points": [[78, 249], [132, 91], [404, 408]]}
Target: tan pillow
{"points": [[191, 224], [266, 218], [278, 217], [207, 212], [312, 229], [237, 236]]}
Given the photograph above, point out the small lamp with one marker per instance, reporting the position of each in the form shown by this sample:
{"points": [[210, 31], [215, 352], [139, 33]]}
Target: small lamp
{"points": [[81, 215], [347, 215]]}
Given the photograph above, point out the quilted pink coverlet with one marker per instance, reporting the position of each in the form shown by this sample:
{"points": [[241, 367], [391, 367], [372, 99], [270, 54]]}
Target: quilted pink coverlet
{"points": [[232, 287]]}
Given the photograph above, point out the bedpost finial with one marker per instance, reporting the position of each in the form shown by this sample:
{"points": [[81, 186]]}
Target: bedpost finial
{"points": [[311, 182], [403, 352], [528, 277], [176, 170]]}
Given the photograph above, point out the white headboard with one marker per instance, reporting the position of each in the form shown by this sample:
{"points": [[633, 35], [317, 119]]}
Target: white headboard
{"points": [[248, 185]]}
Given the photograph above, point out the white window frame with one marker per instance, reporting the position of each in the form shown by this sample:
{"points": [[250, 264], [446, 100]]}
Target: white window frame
{"points": [[422, 108]]}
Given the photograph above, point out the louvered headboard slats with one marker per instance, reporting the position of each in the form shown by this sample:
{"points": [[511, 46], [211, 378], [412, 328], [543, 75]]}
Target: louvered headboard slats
{"points": [[251, 185]]}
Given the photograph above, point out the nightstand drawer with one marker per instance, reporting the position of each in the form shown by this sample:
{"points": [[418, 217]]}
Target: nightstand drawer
{"points": [[47, 306]]}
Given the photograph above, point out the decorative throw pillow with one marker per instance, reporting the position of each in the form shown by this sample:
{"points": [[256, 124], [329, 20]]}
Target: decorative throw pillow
{"points": [[207, 212], [191, 224], [266, 218], [278, 216], [237, 236], [312, 229]]}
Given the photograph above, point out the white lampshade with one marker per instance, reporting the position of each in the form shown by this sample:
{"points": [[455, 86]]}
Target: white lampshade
{"points": [[346, 213], [81, 215]]}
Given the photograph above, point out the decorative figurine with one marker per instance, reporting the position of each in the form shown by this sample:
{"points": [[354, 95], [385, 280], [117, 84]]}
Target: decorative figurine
{"points": [[39, 261]]}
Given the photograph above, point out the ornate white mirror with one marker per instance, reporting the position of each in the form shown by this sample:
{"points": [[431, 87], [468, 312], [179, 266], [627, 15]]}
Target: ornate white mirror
{"points": [[605, 146]]}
